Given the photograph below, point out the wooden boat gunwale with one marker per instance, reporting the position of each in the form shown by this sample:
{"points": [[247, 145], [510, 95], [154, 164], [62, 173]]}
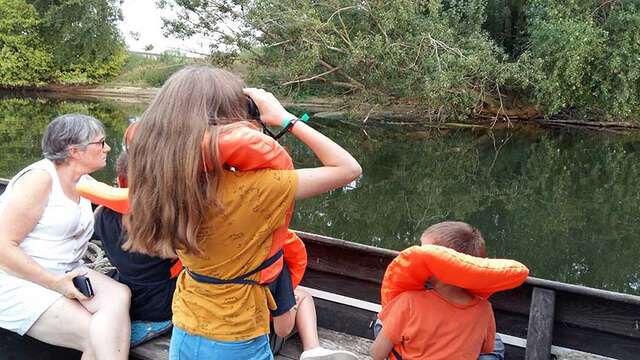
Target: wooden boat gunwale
{"points": [[534, 281]]}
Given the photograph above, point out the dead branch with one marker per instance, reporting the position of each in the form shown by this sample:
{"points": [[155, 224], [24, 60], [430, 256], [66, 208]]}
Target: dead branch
{"points": [[311, 78], [337, 12], [437, 43], [279, 43], [341, 72]]}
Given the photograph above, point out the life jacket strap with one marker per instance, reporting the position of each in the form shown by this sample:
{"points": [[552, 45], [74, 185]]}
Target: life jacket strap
{"points": [[396, 354], [242, 279], [176, 269]]}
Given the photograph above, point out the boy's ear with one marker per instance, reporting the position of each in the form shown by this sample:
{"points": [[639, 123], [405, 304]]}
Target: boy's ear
{"points": [[122, 182]]}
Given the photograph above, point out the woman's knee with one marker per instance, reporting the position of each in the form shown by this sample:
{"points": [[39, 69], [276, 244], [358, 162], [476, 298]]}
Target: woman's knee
{"points": [[124, 292], [110, 296], [118, 295]]}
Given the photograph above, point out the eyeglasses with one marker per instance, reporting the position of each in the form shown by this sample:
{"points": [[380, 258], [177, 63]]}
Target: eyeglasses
{"points": [[100, 142]]}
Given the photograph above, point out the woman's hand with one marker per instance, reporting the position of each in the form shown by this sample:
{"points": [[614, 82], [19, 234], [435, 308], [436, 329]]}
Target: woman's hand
{"points": [[272, 113], [64, 285]]}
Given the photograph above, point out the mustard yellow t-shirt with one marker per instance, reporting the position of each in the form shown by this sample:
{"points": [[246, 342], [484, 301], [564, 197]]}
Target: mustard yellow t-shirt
{"points": [[234, 241]]}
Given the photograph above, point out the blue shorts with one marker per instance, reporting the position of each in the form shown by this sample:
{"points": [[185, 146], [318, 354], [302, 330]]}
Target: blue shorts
{"points": [[185, 346], [282, 290]]}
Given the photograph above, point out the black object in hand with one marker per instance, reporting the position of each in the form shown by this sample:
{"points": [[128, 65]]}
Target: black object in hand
{"points": [[83, 285], [252, 109]]}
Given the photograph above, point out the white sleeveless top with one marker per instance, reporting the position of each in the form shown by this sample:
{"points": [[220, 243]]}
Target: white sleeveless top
{"points": [[61, 236]]}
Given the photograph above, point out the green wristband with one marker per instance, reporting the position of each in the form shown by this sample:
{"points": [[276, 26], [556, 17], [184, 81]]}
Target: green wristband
{"points": [[286, 122], [304, 118]]}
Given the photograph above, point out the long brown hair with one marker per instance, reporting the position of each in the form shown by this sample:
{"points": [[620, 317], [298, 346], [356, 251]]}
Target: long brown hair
{"points": [[169, 193]]}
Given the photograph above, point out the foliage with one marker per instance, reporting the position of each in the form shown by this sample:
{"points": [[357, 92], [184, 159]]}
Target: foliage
{"points": [[448, 56], [145, 71], [584, 54], [63, 41], [23, 57], [378, 49], [85, 42]]}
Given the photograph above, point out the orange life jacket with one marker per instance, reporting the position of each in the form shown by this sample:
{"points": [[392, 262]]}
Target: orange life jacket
{"points": [[413, 267], [244, 149]]}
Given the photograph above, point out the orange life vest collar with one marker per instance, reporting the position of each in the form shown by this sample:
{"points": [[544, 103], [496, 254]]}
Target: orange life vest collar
{"points": [[413, 267]]}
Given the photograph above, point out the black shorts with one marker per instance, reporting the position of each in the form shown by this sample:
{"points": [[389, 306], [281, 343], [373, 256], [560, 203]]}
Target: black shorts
{"points": [[282, 290]]}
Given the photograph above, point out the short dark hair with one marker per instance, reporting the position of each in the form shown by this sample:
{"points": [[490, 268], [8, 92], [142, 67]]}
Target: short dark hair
{"points": [[121, 165], [458, 236]]}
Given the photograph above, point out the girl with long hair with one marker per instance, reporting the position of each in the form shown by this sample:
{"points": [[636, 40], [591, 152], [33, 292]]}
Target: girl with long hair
{"points": [[218, 222]]}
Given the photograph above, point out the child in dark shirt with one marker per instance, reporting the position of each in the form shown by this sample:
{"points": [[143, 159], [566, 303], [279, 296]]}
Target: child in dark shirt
{"points": [[148, 277]]}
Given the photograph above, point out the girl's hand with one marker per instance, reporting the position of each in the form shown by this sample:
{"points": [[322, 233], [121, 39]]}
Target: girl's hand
{"points": [[64, 285], [272, 113]]}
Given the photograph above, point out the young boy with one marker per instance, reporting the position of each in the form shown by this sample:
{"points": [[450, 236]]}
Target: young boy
{"points": [[443, 321], [148, 277]]}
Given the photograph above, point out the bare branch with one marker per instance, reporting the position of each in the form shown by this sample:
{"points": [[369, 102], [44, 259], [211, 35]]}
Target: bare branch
{"points": [[279, 43], [311, 78], [353, 81], [337, 12]]}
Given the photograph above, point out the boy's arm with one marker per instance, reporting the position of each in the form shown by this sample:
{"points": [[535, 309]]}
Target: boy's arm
{"points": [[394, 316], [490, 338], [381, 347]]}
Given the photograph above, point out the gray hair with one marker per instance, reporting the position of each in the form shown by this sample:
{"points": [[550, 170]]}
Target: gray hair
{"points": [[69, 130]]}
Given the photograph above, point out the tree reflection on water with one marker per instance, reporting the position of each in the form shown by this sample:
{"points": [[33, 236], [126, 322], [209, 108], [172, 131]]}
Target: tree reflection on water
{"points": [[565, 203]]}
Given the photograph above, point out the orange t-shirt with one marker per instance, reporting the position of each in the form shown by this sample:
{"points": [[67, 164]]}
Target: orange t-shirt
{"points": [[424, 325], [234, 241]]}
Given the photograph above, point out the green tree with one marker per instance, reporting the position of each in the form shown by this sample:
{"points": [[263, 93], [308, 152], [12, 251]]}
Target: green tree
{"points": [[434, 52], [84, 39], [452, 57], [24, 60], [584, 54]]}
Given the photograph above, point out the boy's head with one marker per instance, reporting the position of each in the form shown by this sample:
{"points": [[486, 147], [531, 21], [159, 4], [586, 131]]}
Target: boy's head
{"points": [[456, 235], [121, 169]]}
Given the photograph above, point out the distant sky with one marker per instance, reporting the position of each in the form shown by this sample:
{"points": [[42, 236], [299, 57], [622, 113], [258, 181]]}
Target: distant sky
{"points": [[143, 17]]}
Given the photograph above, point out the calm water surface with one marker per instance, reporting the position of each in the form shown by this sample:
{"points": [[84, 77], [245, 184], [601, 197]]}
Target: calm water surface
{"points": [[565, 203]]}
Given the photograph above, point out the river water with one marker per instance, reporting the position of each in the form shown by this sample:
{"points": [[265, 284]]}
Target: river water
{"points": [[565, 203]]}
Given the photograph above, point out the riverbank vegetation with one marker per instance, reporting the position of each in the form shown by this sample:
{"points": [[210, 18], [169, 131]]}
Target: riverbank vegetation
{"points": [[502, 59], [60, 41], [150, 71], [446, 59]]}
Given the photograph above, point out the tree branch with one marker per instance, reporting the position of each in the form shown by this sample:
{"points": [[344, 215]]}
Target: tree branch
{"points": [[341, 72], [311, 78]]}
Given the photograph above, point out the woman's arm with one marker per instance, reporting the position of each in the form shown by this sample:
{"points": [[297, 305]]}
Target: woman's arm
{"points": [[381, 347], [19, 216], [339, 167]]}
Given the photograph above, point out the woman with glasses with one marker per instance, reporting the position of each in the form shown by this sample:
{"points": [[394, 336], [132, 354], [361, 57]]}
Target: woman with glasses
{"points": [[45, 227]]}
